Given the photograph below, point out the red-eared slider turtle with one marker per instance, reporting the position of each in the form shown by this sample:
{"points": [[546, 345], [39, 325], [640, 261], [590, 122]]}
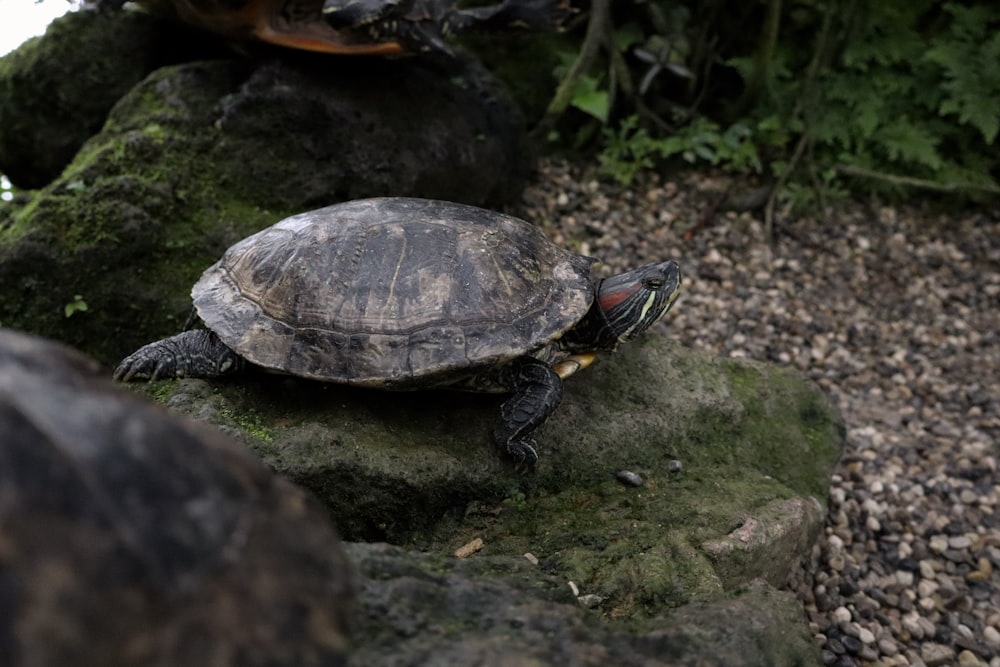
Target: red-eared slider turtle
{"points": [[400, 293], [131, 536], [363, 27]]}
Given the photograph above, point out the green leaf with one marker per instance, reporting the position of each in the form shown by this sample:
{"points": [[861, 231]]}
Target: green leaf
{"points": [[590, 100], [77, 305], [904, 141]]}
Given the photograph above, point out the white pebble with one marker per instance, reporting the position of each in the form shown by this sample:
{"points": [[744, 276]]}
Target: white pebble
{"points": [[959, 542], [842, 614]]}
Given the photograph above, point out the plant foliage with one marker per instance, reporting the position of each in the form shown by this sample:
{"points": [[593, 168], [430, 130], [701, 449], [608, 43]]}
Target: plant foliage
{"points": [[819, 95]]}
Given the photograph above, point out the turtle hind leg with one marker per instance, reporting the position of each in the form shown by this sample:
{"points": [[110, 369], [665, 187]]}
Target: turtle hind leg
{"points": [[197, 353], [537, 392], [534, 15]]}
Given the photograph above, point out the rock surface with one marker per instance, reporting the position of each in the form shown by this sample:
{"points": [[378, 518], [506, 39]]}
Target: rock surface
{"points": [[415, 609], [56, 91], [418, 469], [132, 536]]}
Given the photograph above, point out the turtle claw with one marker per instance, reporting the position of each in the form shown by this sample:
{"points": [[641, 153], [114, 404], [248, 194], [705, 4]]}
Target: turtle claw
{"points": [[149, 363], [522, 453]]}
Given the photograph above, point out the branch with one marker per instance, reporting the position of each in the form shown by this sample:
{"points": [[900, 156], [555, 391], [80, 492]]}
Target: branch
{"points": [[598, 26], [910, 181], [800, 108]]}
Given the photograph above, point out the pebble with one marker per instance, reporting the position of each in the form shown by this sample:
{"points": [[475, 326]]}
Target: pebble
{"points": [[969, 659], [841, 615], [887, 647], [629, 478], [892, 311], [936, 655]]}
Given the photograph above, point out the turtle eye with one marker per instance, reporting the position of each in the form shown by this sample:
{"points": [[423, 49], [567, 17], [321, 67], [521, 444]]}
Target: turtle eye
{"points": [[654, 284]]}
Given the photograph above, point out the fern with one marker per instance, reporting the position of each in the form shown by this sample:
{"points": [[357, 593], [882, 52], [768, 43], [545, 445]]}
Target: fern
{"points": [[969, 57]]}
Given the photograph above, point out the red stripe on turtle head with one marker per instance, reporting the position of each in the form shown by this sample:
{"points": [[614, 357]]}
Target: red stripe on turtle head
{"points": [[608, 299]]}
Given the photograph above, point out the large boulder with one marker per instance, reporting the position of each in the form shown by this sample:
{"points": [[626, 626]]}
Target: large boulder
{"points": [[198, 155], [56, 90], [131, 536], [755, 446]]}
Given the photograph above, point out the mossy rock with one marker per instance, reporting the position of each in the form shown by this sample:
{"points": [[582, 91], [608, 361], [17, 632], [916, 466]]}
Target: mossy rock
{"points": [[199, 155], [418, 609], [56, 90], [757, 444]]}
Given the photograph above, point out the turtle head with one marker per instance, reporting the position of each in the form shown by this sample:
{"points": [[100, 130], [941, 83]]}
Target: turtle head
{"points": [[633, 301]]}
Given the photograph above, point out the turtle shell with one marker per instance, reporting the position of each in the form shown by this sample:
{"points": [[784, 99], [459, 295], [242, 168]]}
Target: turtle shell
{"points": [[393, 291], [130, 536]]}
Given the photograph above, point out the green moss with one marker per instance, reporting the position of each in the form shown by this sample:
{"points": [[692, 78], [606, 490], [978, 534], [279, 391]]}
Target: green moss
{"points": [[250, 423], [806, 430]]}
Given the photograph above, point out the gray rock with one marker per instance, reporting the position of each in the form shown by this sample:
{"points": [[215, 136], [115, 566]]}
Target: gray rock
{"points": [[56, 91], [133, 536], [418, 469], [415, 609]]}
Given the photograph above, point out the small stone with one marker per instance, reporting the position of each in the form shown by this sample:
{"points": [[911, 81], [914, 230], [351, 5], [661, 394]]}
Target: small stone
{"points": [[469, 548], [959, 542], [851, 644], [926, 588], [590, 600], [629, 478], [938, 543], [912, 625], [927, 626], [969, 659], [842, 614], [866, 636], [992, 637], [868, 654], [531, 558], [984, 568], [968, 496], [936, 655], [674, 466], [887, 646]]}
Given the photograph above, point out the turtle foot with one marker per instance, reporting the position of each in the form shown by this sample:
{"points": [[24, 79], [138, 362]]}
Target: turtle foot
{"points": [[197, 353], [521, 453], [150, 362]]}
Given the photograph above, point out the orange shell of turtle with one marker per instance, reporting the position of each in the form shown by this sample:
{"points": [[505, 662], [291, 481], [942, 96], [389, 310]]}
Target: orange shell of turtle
{"points": [[293, 23]]}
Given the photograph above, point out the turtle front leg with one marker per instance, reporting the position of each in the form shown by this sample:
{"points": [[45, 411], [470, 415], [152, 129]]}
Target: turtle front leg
{"points": [[537, 392], [197, 354]]}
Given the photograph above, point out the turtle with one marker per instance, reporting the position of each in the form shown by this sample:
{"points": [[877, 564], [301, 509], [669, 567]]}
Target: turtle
{"points": [[404, 293], [358, 27], [133, 536]]}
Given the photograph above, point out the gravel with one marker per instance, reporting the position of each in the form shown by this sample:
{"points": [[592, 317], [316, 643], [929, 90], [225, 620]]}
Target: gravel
{"points": [[894, 311]]}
